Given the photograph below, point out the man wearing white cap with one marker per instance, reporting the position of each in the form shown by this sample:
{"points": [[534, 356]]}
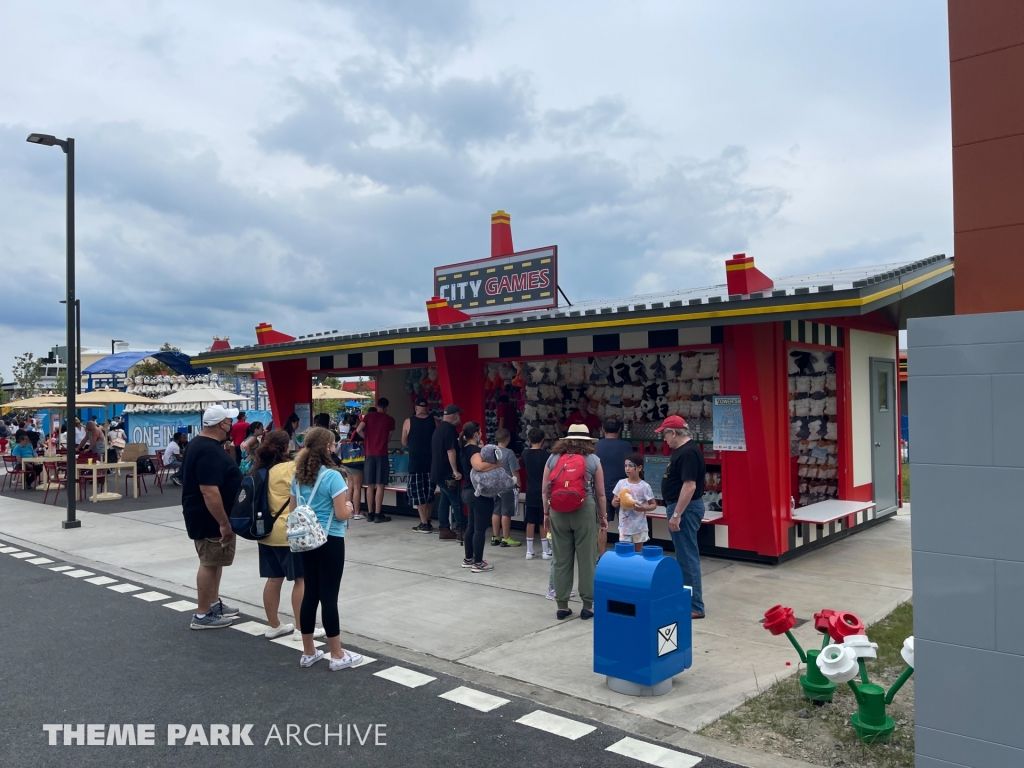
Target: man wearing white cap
{"points": [[210, 481]]}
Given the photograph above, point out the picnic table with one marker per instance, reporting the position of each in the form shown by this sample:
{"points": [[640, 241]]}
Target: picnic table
{"points": [[95, 468]]}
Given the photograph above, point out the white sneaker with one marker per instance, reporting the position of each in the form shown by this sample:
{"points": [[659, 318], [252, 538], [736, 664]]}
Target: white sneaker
{"points": [[279, 631], [348, 659], [529, 555], [547, 555], [319, 633], [358, 517], [309, 661]]}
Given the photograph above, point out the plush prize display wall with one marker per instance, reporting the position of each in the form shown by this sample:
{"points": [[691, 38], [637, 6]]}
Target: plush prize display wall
{"points": [[813, 425], [638, 389], [423, 382]]}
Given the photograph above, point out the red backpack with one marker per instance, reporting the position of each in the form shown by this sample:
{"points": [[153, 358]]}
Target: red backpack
{"points": [[567, 488]]}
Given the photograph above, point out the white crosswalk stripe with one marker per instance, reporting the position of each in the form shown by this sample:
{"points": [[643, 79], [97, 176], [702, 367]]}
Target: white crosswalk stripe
{"points": [[101, 581], [151, 597], [180, 605], [79, 573], [556, 724], [61, 568], [9, 550], [407, 677], [22, 555], [39, 560], [123, 588], [652, 754], [478, 700], [253, 628]]}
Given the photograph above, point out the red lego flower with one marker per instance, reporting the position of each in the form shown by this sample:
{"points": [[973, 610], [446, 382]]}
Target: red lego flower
{"points": [[843, 623], [821, 620], [779, 619]]}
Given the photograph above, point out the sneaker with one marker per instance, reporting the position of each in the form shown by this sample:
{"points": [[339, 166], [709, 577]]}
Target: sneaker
{"points": [[529, 555], [221, 609], [446, 534], [551, 593], [467, 562], [210, 621], [369, 517], [382, 519], [319, 633], [358, 516], [495, 541], [175, 481], [309, 661], [510, 542], [481, 567], [423, 528], [279, 631], [546, 555], [347, 660]]}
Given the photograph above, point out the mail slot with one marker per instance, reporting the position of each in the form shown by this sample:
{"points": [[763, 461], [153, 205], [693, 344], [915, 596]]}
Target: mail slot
{"points": [[642, 631]]}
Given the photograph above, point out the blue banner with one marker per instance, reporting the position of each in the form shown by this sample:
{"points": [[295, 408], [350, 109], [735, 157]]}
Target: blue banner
{"points": [[157, 429], [727, 427]]}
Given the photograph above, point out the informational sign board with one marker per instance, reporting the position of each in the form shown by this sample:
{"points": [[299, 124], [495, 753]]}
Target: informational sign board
{"points": [[157, 429], [519, 281], [655, 468], [302, 410], [727, 419]]}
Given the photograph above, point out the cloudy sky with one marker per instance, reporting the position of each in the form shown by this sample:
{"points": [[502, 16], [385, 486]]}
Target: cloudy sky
{"points": [[307, 163]]}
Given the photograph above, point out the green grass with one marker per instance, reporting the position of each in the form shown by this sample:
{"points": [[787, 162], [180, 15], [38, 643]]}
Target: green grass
{"points": [[769, 721], [905, 469]]}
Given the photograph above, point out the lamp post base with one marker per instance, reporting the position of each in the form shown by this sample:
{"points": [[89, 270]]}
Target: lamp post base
{"points": [[70, 523]]}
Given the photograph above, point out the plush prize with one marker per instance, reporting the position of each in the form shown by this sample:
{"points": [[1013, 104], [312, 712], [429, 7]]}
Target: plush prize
{"points": [[626, 500]]}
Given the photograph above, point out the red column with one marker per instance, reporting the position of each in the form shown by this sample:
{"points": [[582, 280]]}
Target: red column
{"points": [[461, 375], [288, 381]]}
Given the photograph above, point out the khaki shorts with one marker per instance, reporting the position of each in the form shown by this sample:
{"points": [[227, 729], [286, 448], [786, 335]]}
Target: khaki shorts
{"points": [[212, 554]]}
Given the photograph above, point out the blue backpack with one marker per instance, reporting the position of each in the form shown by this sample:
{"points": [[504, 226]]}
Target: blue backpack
{"points": [[250, 516]]}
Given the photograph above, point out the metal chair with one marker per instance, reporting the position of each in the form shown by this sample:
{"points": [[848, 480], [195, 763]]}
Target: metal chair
{"points": [[14, 471], [155, 474]]}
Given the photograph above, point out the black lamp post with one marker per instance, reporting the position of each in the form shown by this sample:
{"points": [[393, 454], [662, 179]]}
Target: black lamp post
{"points": [[73, 372], [113, 342]]}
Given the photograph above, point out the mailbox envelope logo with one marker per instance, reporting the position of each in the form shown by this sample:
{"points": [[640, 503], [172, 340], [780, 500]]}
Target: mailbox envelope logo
{"points": [[668, 639]]}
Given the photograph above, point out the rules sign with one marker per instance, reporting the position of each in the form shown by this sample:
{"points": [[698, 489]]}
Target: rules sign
{"points": [[519, 281]]}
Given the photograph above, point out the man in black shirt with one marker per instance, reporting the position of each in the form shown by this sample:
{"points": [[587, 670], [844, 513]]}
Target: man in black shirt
{"points": [[612, 450], [417, 432], [210, 481], [683, 490], [444, 466]]}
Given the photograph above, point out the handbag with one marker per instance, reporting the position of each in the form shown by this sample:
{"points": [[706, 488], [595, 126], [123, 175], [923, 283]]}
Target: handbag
{"points": [[303, 528], [352, 453]]}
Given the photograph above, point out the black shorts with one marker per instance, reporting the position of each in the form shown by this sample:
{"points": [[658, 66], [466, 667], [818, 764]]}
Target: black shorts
{"points": [[280, 563], [534, 514], [376, 470]]}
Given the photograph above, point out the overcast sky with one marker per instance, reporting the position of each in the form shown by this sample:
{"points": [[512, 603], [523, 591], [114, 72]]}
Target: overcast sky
{"points": [[307, 163]]}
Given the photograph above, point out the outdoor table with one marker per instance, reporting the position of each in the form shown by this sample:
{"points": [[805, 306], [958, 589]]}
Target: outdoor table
{"points": [[95, 467]]}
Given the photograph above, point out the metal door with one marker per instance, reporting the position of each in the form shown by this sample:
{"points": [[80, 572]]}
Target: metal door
{"points": [[883, 434]]}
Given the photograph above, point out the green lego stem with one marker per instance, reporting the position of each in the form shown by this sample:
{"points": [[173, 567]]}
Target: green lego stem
{"points": [[863, 671], [799, 650], [904, 676], [825, 641], [856, 691]]}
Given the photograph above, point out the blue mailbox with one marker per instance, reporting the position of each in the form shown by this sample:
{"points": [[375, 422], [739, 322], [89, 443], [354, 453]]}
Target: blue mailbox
{"points": [[642, 625]]}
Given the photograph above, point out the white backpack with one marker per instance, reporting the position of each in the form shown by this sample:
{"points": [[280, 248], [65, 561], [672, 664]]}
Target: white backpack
{"points": [[303, 529]]}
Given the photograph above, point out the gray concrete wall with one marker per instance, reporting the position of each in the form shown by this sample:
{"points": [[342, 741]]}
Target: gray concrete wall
{"points": [[966, 377]]}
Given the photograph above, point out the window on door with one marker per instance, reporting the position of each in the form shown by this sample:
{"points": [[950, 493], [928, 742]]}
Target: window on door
{"points": [[883, 391]]}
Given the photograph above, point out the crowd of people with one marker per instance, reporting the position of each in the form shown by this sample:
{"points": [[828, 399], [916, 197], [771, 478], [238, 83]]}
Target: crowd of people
{"points": [[572, 490]]}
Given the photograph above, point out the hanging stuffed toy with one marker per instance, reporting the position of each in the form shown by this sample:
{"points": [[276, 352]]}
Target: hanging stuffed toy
{"points": [[518, 381], [708, 366]]}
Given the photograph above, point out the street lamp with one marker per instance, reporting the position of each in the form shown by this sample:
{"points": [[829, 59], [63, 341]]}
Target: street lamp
{"points": [[73, 374], [78, 344], [113, 342]]}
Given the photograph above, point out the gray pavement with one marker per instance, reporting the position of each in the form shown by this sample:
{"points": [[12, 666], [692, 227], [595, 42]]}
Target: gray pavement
{"points": [[80, 652]]}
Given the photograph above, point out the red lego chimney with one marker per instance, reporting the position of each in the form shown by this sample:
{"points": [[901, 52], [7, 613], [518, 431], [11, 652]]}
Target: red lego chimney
{"points": [[219, 343], [741, 276], [265, 334], [439, 313], [501, 234]]}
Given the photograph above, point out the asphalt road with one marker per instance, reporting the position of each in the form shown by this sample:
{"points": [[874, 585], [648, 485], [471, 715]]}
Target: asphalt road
{"points": [[74, 652]]}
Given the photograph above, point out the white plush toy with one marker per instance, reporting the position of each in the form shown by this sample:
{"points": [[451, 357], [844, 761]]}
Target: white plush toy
{"points": [[670, 362], [816, 407], [708, 365], [530, 412], [830, 406], [708, 409], [830, 431], [818, 383], [803, 383], [715, 387], [820, 361], [690, 366]]}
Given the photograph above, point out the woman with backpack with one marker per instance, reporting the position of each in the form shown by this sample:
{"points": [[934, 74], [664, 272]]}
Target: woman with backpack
{"points": [[318, 489], [480, 507], [277, 561], [573, 496]]}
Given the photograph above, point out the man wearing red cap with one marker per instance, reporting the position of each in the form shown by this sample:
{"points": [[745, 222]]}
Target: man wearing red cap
{"points": [[683, 490]]}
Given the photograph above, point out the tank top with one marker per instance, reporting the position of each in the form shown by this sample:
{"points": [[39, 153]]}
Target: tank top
{"points": [[420, 432]]}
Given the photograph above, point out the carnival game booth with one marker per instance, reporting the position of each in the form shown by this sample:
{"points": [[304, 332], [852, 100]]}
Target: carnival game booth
{"points": [[789, 385]]}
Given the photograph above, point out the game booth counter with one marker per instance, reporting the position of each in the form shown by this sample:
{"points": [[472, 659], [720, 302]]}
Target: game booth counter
{"points": [[790, 385]]}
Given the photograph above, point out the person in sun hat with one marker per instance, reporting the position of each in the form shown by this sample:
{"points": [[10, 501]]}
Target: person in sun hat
{"points": [[210, 481], [683, 490], [574, 532]]}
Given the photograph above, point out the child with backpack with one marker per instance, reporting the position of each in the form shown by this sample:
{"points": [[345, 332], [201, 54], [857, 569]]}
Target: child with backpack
{"points": [[318, 517], [634, 498], [507, 501], [574, 502], [534, 459]]}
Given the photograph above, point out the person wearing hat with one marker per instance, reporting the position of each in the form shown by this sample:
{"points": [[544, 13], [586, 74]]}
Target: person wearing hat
{"points": [[683, 490], [574, 534], [210, 481], [417, 432], [445, 473]]}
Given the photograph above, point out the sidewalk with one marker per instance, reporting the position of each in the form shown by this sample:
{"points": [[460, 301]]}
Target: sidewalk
{"points": [[408, 590]]}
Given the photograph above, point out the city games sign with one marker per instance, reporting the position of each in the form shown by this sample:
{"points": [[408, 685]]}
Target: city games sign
{"points": [[519, 281]]}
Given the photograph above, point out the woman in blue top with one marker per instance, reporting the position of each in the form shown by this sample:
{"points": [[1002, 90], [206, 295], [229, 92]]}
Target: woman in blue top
{"points": [[324, 565], [24, 450]]}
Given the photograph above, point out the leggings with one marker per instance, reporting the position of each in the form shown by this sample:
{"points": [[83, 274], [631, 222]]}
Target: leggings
{"points": [[323, 566], [480, 510]]}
